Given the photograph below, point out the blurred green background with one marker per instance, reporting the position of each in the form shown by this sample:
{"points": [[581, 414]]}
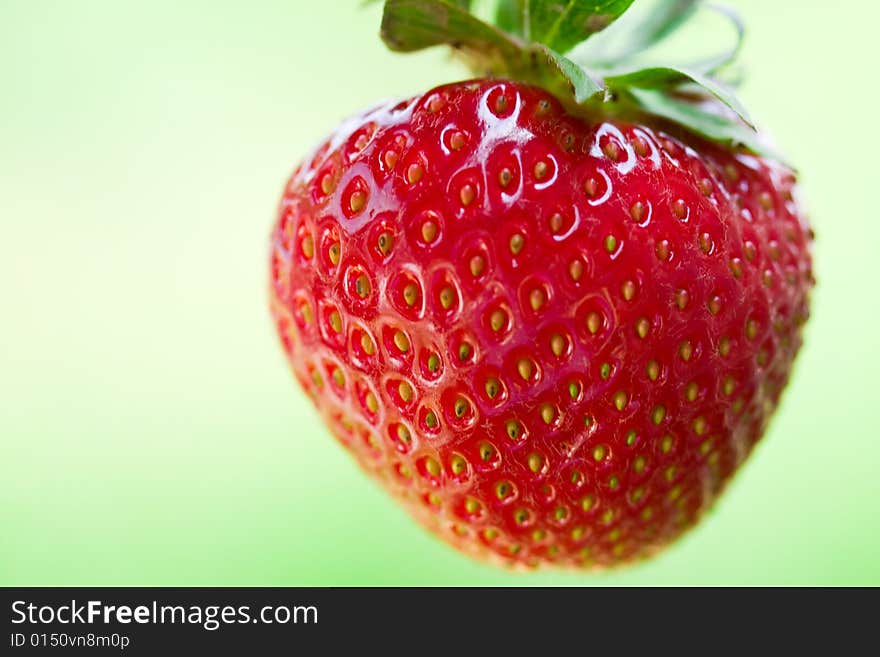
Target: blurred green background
{"points": [[150, 432]]}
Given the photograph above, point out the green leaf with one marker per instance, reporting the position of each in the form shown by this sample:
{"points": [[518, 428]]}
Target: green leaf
{"points": [[661, 77], [410, 25], [700, 120], [562, 24], [577, 81]]}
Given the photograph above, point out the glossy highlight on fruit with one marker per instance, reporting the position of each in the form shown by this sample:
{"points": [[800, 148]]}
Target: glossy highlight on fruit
{"points": [[553, 338]]}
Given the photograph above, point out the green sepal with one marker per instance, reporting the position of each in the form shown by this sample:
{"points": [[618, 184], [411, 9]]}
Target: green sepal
{"points": [[700, 120], [665, 77], [562, 24], [509, 16], [635, 33], [580, 83], [605, 54], [558, 24], [411, 25]]}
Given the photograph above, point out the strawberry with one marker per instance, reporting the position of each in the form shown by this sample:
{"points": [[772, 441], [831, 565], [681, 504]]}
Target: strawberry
{"points": [[553, 321]]}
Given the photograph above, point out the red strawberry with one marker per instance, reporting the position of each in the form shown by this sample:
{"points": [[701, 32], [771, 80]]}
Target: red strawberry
{"points": [[553, 335]]}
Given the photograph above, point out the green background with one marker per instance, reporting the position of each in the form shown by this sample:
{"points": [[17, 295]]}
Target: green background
{"points": [[150, 432]]}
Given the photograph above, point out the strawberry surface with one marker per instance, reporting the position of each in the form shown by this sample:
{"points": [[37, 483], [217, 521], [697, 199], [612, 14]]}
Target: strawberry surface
{"points": [[553, 338]]}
